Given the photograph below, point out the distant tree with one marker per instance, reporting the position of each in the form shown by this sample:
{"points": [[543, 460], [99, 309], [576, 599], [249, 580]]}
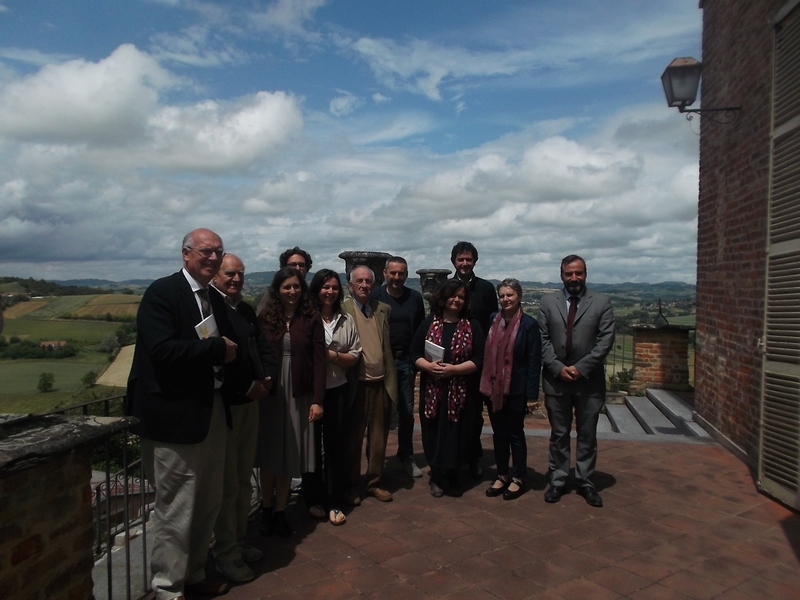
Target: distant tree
{"points": [[109, 317], [89, 379], [126, 333], [46, 381], [109, 344]]}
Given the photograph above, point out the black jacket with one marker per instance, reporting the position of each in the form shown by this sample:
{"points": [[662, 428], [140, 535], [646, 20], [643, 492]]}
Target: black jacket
{"points": [[171, 383]]}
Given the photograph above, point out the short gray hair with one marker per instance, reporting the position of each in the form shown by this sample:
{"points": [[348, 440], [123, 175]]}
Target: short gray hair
{"points": [[188, 240], [510, 283], [371, 272]]}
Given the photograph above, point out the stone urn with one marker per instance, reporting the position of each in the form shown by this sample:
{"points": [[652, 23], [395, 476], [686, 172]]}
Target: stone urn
{"points": [[374, 260], [431, 280]]}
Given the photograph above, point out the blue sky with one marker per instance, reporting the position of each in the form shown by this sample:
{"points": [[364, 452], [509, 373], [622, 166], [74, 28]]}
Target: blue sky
{"points": [[532, 128]]}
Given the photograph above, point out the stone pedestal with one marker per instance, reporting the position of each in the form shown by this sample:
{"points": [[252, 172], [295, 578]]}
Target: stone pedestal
{"points": [[374, 260], [431, 280], [46, 531], [660, 358]]}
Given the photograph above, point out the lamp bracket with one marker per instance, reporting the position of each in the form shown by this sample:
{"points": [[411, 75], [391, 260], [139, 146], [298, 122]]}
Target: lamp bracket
{"points": [[727, 116]]}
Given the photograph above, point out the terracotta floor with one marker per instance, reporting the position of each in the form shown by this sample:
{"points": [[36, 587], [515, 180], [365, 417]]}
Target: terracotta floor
{"points": [[680, 521]]}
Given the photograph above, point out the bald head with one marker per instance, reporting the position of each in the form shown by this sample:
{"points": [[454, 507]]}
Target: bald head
{"points": [[202, 251], [230, 277]]}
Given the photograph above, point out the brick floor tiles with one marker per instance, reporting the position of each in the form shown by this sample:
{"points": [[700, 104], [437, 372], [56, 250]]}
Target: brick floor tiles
{"points": [[679, 521]]}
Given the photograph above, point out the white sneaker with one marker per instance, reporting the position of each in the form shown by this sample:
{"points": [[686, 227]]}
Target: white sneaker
{"points": [[236, 571], [251, 553], [410, 467]]}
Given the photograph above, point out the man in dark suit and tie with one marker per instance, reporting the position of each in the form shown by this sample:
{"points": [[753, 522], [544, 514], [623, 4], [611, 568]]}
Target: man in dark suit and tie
{"points": [[248, 379], [577, 327], [173, 389]]}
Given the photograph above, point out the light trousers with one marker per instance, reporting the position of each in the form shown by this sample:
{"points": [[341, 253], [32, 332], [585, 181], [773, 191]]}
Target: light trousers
{"points": [[237, 488], [188, 483]]}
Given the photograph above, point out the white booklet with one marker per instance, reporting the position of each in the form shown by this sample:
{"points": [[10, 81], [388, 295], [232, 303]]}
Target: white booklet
{"points": [[433, 352], [207, 328]]}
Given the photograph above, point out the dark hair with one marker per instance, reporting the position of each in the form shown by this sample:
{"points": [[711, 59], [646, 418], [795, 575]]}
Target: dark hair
{"points": [[314, 288], [462, 247], [448, 290], [511, 283], [396, 259], [284, 258], [273, 316], [571, 258]]}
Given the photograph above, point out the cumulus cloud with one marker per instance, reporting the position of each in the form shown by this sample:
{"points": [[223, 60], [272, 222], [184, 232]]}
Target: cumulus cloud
{"points": [[213, 136], [78, 101]]}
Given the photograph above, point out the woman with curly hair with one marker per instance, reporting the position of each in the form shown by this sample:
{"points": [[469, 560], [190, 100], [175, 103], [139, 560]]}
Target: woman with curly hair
{"points": [[286, 422], [448, 382]]}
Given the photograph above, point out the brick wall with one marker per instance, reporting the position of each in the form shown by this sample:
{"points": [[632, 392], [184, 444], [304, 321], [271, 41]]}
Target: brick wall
{"points": [[660, 359], [732, 216], [46, 531]]}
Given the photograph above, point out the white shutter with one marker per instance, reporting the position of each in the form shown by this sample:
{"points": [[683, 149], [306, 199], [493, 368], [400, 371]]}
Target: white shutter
{"points": [[779, 444]]}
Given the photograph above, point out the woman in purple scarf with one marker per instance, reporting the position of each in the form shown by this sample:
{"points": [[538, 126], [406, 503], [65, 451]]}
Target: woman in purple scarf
{"points": [[510, 379]]}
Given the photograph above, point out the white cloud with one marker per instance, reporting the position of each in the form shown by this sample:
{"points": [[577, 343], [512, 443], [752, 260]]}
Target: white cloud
{"points": [[379, 98], [287, 16], [32, 56], [343, 105], [78, 101], [196, 46], [214, 136]]}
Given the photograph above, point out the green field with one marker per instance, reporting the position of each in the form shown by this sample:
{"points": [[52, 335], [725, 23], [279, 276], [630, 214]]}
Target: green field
{"points": [[22, 376], [90, 332]]}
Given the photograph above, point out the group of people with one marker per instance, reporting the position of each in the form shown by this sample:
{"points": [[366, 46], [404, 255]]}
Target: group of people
{"points": [[292, 386]]}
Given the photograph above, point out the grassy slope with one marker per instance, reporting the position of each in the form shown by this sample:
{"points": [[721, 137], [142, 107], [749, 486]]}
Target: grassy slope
{"points": [[90, 332]]}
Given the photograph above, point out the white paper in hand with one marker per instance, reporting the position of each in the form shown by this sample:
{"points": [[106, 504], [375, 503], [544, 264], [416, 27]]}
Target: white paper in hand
{"points": [[207, 328]]}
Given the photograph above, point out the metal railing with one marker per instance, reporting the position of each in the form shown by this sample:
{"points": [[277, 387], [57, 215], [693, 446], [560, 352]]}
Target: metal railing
{"points": [[113, 517]]}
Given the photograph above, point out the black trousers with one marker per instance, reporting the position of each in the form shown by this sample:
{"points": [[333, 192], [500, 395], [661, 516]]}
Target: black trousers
{"points": [[508, 426]]}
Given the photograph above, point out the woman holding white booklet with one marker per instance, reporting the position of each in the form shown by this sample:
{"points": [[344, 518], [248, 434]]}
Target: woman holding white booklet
{"points": [[448, 351]]}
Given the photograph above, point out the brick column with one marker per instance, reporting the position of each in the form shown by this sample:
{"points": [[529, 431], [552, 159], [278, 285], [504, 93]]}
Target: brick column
{"points": [[660, 357], [46, 531]]}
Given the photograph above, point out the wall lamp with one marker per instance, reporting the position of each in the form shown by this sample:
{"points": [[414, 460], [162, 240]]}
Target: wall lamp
{"points": [[681, 79]]}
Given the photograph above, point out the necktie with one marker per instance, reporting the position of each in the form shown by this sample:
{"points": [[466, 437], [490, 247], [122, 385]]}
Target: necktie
{"points": [[205, 302], [573, 308], [364, 311]]}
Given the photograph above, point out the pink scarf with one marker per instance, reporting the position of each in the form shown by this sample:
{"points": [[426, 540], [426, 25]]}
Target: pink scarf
{"points": [[460, 351], [498, 359]]}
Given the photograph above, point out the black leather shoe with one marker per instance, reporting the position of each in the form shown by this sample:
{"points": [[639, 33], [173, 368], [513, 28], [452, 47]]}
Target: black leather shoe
{"points": [[554, 493], [591, 496], [513, 495], [493, 492]]}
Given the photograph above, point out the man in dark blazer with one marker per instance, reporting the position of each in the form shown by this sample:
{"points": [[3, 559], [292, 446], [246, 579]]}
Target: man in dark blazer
{"points": [[375, 390], [577, 327], [248, 379], [173, 389], [482, 304]]}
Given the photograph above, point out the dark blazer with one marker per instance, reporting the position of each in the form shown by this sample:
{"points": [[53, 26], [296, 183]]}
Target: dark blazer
{"points": [[307, 338], [527, 362], [256, 359], [382, 313], [592, 340], [171, 383]]}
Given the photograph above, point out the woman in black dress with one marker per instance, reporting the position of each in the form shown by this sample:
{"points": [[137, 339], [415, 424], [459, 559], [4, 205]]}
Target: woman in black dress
{"points": [[448, 385]]}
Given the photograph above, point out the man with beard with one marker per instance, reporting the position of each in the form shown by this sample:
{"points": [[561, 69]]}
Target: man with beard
{"points": [[577, 327], [408, 312]]}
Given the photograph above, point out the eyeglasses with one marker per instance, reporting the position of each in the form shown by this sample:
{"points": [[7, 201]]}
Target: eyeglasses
{"points": [[209, 252], [233, 273], [296, 265]]}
